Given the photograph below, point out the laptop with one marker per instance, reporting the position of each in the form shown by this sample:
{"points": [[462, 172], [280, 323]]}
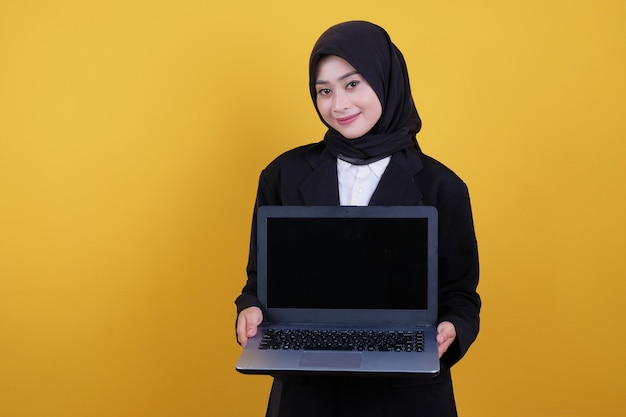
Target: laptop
{"points": [[345, 273]]}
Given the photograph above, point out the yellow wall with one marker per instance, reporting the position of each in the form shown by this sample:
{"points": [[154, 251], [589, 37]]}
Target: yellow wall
{"points": [[131, 137]]}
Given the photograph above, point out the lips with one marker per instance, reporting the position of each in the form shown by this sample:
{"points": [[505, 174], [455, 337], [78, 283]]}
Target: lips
{"points": [[347, 120]]}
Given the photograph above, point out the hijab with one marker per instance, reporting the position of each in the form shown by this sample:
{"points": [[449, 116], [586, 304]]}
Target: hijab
{"points": [[368, 48]]}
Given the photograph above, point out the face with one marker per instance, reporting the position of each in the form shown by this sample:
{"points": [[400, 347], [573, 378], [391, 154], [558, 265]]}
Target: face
{"points": [[344, 98]]}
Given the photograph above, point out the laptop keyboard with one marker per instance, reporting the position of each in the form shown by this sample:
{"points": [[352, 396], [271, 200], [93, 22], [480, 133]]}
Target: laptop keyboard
{"points": [[344, 340]]}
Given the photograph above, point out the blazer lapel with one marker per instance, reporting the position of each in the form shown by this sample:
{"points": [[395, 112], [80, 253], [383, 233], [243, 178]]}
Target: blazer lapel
{"points": [[321, 187], [396, 186]]}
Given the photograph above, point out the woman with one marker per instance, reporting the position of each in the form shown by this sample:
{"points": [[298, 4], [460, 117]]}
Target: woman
{"points": [[369, 156]]}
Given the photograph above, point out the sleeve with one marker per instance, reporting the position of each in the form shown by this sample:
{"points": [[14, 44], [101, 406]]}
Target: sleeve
{"points": [[248, 296], [459, 302], [278, 185]]}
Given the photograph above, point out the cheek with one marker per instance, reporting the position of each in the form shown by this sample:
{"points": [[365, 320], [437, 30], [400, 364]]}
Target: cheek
{"points": [[371, 102], [376, 106], [320, 104], [379, 111], [376, 109], [322, 108]]}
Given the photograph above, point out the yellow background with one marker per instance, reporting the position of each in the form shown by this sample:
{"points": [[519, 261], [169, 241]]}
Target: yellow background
{"points": [[131, 138]]}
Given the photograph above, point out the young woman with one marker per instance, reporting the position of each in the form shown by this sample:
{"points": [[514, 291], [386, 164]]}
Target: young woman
{"points": [[370, 156]]}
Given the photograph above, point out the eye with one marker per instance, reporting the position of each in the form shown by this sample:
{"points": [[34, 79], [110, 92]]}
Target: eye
{"points": [[323, 91], [353, 84]]}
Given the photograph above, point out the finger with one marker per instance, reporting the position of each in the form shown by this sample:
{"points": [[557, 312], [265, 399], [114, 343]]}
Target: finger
{"points": [[443, 347], [253, 321], [251, 330], [444, 337], [241, 331], [445, 331]]}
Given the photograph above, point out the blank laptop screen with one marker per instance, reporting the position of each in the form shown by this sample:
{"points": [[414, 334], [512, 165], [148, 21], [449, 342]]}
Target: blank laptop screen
{"points": [[347, 263]]}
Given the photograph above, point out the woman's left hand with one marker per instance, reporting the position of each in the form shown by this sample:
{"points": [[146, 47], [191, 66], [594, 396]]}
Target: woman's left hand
{"points": [[446, 333]]}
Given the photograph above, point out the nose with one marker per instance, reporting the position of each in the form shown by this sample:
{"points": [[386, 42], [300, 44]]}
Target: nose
{"points": [[340, 101]]}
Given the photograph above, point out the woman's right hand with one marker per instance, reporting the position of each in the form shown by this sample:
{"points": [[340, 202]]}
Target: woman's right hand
{"points": [[247, 324]]}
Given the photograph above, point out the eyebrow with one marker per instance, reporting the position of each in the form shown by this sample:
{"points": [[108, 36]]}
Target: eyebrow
{"points": [[343, 77]]}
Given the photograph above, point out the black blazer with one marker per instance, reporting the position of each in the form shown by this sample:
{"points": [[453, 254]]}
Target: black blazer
{"points": [[307, 175]]}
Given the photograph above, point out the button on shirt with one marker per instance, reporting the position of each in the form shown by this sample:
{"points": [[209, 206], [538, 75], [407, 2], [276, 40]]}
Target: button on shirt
{"points": [[357, 183]]}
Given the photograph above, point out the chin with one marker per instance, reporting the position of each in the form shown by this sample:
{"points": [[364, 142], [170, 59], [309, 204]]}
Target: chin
{"points": [[351, 134]]}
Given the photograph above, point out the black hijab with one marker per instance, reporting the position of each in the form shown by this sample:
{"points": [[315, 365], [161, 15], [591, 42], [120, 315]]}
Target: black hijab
{"points": [[368, 48]]}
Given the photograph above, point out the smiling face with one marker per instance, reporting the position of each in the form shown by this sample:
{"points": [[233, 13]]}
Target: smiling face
{"points": [[344, 98]]}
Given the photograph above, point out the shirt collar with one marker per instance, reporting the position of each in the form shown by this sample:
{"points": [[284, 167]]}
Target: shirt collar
{"points": [[378, 167]]}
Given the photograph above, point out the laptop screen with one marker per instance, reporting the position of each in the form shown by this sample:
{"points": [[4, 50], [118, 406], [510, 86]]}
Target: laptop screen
{"points": [[347, 263]]}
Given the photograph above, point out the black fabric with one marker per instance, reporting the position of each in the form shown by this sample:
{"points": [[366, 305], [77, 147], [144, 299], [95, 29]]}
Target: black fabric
{"points": [[368, 48], [361, 397]]}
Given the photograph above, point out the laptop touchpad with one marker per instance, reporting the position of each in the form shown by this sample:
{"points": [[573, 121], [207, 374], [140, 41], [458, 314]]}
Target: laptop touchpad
{"points": [[331, 359]]}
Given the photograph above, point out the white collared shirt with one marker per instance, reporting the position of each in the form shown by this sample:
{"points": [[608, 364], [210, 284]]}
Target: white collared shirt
{"points": [[357, 183]]}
